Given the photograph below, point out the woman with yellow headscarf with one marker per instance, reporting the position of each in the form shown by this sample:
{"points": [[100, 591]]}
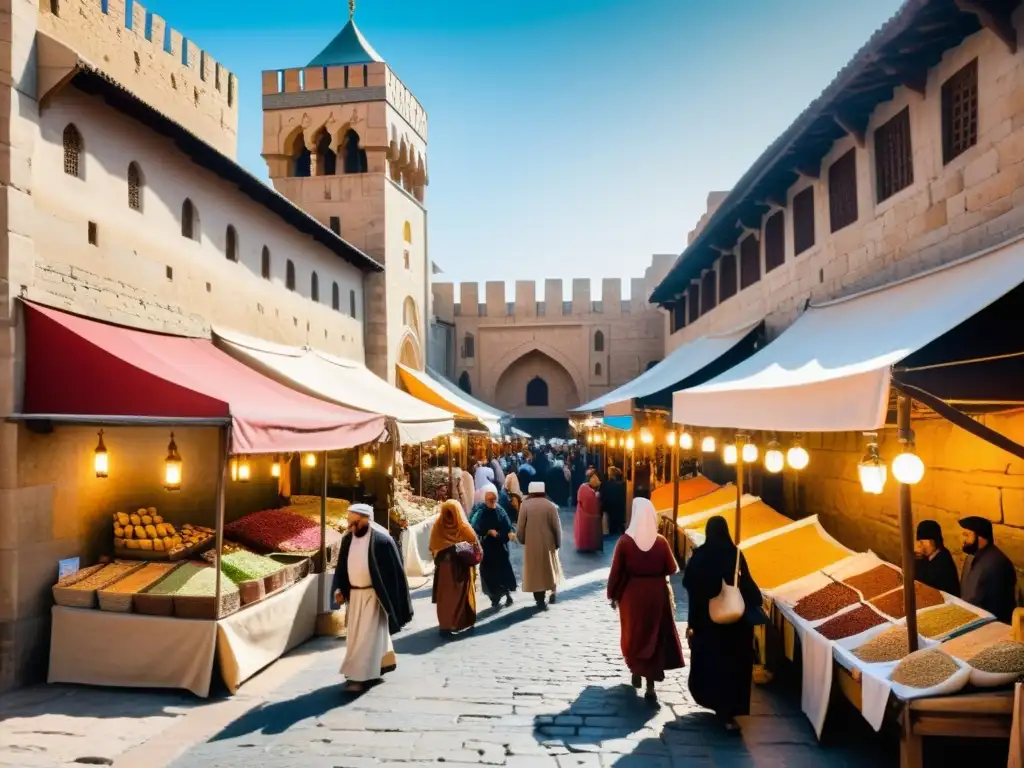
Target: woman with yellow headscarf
{"points": [[451, 541]]}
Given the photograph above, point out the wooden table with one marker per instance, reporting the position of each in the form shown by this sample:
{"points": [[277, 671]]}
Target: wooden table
{"points": [[975, 715]]}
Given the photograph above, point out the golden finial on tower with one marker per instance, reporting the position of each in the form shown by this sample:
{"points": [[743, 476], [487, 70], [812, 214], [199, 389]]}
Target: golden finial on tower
{"points": [[351, 9]]}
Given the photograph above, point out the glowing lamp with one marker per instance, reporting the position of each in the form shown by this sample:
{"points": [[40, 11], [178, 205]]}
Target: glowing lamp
{"points": [[367, 461], [774, 461], [730, 454], [749, 453], [172, 467], [872, 471], [686, 441], [908, 468], [275, 468], [310, 460], [797, 457], [646, 437], [244, 470], [670, 438], [630, 443], [101, 459], [233, 468], [455, 441], [708, 444]]}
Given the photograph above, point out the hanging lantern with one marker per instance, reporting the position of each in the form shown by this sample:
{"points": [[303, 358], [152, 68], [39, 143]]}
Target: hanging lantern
{"points": [[670, 439], [630, 443], [908, 468], [244, 470], [797, 456], [101, 460], [729, 453], [646, 437], [275, 468], [366, 462], [871, 470], [774, 461], [310, 460], [622, 442], [172, 467], [455, 441], [686, 441], [749, 453], [708, 444]]}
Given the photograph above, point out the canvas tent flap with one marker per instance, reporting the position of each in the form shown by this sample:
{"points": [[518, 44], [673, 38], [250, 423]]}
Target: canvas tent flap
{"points": [[682, 363], [78, 367], [425, 387], [830, 370], [345, 382]]}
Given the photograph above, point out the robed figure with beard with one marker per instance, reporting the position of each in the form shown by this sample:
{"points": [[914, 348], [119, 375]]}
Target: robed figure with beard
{"points": [[370, 580]]}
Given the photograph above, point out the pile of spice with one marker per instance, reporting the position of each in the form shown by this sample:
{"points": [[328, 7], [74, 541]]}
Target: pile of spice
{"points": [[888, 645], [924, 669], [892, 604], [941, 621], [825, 602], [105, 575], [877, 581], [248, 566], [1004, 657], [276, 530], [851, 623], [193, 580], [970, 643], [790, 556]]}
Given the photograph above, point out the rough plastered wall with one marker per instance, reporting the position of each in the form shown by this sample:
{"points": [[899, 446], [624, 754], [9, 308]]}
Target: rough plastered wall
{"points": [[152, 61], [964, 476]]}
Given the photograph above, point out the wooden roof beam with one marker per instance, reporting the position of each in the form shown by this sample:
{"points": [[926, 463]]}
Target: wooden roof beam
{"points": [[915, 81], [857, 133], [746, 231], [995, 20], [809, 170], [772, 202]]}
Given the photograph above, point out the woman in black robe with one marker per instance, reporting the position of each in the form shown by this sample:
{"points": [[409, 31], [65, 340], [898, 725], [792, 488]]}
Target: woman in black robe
{"points": [[494, 529], [721, 655], [613, 502]]}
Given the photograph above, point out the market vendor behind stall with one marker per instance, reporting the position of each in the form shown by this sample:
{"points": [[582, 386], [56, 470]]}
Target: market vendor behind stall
{"points": [[935, 566], [989, 580]]}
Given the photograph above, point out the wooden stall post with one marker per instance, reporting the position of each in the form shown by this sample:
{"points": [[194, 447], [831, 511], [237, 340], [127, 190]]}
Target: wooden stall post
{"points": [[222, 455], [421, 469], [907, 529], [739, 487], [323, 532], [674, 479], [451, 471]]}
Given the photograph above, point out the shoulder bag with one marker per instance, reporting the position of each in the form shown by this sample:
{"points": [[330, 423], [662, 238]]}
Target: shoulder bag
{"points": [[470, 554], [727, 607]]}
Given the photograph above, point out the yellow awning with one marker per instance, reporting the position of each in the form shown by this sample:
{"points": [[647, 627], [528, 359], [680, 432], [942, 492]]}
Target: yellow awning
{"points": [[421, 386]]}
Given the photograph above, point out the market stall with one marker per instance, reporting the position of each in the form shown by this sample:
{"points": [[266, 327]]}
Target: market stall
{"points": [[129, 619], [839, 368]]}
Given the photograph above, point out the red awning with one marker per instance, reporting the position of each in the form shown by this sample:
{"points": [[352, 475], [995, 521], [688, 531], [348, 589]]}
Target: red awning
{"points": [[79, 367]]}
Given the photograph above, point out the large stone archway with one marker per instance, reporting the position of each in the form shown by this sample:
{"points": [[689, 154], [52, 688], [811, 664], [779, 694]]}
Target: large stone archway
{"points": [[521, 376]]}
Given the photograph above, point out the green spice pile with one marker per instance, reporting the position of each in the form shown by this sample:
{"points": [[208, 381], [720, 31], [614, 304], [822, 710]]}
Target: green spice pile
{"points": [[248, 566], [825, 602], [941, 621], [877, 581], [193, 580], [924, 669], [888, 645], [1007, 656]]}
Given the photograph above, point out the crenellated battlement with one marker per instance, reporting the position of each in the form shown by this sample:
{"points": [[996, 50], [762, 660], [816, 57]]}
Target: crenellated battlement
{"points": [[318, 86], [151, 59]]}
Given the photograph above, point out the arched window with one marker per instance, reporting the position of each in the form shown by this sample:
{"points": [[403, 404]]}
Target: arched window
{"points": [[265, 263], [410, 314], [302, 158], [598, 341], [231, 244], [597, 369], [464, 384], [189, 221], [72, 151], [407, 232], [537, 392], [354, 156], [469, 346], [352, 303], [134, 187], [289, 275], [335, 298], [326, 159], [314, 287]]}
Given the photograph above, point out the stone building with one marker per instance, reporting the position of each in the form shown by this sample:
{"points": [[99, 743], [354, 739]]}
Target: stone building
{"points": [[537, 357], [912, 158], [123, 202]]}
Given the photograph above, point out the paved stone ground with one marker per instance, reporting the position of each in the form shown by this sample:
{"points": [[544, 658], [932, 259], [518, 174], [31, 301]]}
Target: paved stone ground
{"points": [[524, 689]]}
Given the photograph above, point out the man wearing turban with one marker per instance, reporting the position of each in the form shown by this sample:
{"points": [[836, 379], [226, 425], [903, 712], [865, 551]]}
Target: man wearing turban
{"points": [[989, 579]]}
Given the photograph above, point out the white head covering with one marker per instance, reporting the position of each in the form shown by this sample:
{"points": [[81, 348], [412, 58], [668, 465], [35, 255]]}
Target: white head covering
{"points": [[482, 474], [643, 525], [512, 483], [488, 488], [361, 509], [536, 487]]}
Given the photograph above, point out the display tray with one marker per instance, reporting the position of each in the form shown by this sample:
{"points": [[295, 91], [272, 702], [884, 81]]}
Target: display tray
{"points": [[296, 567], [122, 602], [65, 593], [152, 555], [252, 591], [192, 607]]}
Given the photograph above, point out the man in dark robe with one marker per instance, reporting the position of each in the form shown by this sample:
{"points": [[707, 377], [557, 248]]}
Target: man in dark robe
{"points": [[935, 566], [527, 473], [989, 579], [370, 580], [613, 501]]}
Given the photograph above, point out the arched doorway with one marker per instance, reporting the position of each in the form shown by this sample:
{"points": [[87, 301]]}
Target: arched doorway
{"points": [[536, 386], [464, 383], [409, 353]]}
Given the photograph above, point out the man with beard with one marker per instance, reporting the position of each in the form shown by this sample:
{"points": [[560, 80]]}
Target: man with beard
{"points": [[934, 565], [989, 579], [370, 579]]}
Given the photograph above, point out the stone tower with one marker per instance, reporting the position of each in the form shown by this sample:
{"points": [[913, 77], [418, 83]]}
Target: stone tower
{"points": [[347, 141]]}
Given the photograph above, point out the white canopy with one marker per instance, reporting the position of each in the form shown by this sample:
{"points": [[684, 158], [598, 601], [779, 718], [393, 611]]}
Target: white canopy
{"points": [[681, 363], [830, 370], [341, 381]]}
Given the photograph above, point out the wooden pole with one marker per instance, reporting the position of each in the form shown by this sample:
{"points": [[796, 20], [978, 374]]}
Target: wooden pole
{"points": [[323, 535], [451, 471], [739, 489], [907, 530], [222, 455], [421, 469], [674, 479]]}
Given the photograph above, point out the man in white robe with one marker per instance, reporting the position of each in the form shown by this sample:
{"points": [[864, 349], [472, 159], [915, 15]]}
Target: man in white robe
{"points": [[370, 579]]}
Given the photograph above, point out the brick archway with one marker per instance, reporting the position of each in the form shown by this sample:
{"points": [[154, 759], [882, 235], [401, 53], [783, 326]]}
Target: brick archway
{"points": [[562, 380]]}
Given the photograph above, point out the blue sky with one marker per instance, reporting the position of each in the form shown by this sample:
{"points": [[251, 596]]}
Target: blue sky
{"points": [[568, 138]]}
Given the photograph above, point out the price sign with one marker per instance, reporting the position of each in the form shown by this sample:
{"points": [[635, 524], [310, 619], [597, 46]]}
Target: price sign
{"points": [[67, 567]]}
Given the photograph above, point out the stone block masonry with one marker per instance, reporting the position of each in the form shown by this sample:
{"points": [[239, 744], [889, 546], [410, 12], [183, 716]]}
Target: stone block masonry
{"points": [[153, 61]]}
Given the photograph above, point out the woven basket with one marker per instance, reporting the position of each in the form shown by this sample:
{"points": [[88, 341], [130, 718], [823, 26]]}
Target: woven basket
{"points": [[275, 581], [65, 594], [189, 607], [296, 567]]}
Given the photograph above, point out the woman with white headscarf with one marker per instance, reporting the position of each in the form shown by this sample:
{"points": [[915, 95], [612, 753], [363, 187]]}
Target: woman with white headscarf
{"points": [[638, 587], [464, 490], [482, 475]]}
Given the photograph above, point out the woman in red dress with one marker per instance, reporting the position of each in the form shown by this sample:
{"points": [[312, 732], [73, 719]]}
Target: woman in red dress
{"points": [[638, 587], [586, 526]]}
